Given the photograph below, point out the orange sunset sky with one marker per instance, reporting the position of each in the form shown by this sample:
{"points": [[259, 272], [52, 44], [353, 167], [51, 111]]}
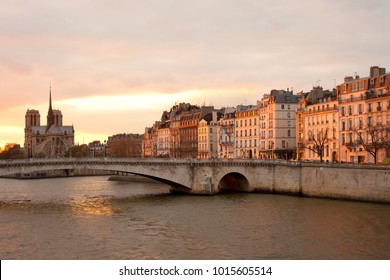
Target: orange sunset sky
{"points": [[114, 66]]}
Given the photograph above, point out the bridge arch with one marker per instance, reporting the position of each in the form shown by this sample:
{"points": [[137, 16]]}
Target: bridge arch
{"points": [[234, 182]]}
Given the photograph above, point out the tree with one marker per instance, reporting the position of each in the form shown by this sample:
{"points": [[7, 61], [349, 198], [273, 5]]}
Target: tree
{"points": [[317, 141], [125, 147], [12, 151], [372, 138], [77, 151]]}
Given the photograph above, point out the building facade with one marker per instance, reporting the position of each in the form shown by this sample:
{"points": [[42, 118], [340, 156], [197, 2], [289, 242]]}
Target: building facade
{"points": [[277, 124], [317, 125], [246, 132], [124, 145], [207, 135], [365, 117], [225, 133], [52, 140]]}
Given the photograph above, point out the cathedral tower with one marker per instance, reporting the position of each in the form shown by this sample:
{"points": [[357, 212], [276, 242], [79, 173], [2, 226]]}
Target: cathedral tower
{"points": [[50, 114]]}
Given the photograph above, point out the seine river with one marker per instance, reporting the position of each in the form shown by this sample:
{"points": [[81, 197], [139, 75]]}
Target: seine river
{"points": [[93, 218]]}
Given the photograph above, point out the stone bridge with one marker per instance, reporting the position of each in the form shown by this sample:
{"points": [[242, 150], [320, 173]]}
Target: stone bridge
{"points": [[211, 176], [196, 176]]}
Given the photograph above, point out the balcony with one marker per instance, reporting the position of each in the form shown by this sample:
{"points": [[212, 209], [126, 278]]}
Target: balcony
{"points": [[379, 108], [227, 143]]}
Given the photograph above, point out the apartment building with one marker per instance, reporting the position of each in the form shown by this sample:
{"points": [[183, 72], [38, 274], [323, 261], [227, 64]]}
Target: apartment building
{"points": [[317, 125], [277, 135], [246, 131], [225, 133], [365, 117], [207, 135], [163, 141]]}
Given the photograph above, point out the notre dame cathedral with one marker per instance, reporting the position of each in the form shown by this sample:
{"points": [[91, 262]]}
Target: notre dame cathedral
{"points": [[52, 140]]}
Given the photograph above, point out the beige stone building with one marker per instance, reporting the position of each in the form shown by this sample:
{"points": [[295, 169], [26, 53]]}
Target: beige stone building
{"points": [[163, 141], [51, 140], [225, 133], [317, 125], [208, 135], [365, 117], [277, 135], [246, 132]]}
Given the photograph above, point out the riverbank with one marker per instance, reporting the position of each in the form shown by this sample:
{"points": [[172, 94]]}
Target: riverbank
{"points": [[60, 173]]}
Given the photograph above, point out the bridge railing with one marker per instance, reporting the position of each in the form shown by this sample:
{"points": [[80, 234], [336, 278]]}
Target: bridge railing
{"points": [[175, 161]]}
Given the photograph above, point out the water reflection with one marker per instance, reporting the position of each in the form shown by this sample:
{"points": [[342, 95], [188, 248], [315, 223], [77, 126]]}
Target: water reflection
{"points": [[93, 206], [92, 218]]}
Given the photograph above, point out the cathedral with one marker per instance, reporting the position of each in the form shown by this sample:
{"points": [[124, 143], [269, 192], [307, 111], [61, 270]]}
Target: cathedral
{"points": [[52, 140]]}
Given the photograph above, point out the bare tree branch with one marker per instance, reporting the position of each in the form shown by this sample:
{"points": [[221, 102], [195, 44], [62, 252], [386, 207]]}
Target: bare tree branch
{"points": [[372, 138], [317, 141]]}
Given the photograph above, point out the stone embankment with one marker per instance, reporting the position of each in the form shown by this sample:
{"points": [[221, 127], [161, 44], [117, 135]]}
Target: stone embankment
{"points": [[338, 181]]}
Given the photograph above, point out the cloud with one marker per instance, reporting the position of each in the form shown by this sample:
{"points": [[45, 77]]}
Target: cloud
{"points": [[98, 49]]}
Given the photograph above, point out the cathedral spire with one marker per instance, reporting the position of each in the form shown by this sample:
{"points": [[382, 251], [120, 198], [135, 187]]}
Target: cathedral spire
{"points": [[50, 114]]}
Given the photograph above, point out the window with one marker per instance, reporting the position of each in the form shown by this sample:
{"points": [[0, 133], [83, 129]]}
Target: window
{"points": [[283, 144], [289, 133], [282, 106], [360, 109]]}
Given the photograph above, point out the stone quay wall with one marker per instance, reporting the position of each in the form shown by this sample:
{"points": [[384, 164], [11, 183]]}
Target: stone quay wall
{"points": [[338, 181]]}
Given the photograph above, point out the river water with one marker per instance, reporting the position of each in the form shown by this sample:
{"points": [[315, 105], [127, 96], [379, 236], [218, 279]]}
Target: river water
{"points": [[93, 218]]}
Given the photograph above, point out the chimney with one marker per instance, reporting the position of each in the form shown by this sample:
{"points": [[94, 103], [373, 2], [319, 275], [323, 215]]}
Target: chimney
{"points": [[214, 116], [348, 79], [376, 71]]}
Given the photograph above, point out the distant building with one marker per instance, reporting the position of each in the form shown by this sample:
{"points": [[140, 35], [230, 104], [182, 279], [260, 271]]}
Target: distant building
{"points": [[97, 149], [147, 143], [124, 145], [52, 140]]}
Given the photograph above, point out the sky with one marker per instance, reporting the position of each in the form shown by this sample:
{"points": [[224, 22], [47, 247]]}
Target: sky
{"points": [[115, 66]]}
